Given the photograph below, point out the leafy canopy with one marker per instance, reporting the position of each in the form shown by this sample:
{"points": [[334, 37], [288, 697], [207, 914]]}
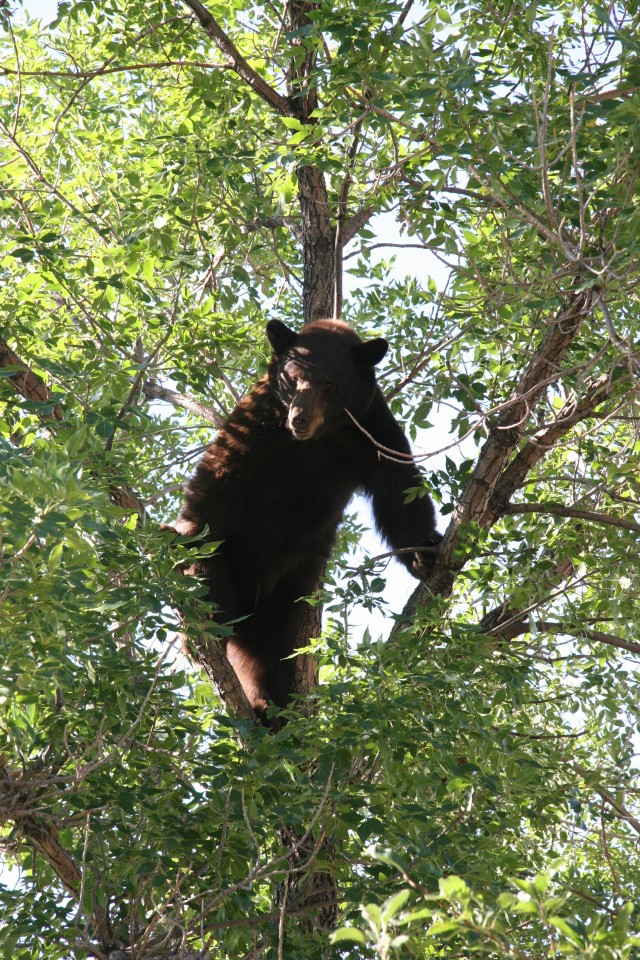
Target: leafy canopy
{"points": [[470, 779]]}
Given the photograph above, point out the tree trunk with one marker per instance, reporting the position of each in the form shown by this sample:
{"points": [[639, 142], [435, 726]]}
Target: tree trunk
{"points": [[322, 297], [318, 246]]}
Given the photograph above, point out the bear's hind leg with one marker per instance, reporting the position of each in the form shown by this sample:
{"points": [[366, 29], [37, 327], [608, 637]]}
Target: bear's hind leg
{"points": [[251, 671], [261, 652]]}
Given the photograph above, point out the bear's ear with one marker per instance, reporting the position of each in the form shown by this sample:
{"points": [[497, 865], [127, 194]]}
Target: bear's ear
{"points": [[370, 352], [280, 336]]}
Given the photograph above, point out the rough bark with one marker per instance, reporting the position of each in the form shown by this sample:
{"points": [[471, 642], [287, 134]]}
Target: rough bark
{"points": [[318, 246], [29, 384]]}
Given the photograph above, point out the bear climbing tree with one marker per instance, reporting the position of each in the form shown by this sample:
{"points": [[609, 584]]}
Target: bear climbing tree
{"points": [[159, 199], [272, 488]]}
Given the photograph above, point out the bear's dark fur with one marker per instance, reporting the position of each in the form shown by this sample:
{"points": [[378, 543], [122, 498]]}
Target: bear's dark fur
{"points": [[274, 484]]}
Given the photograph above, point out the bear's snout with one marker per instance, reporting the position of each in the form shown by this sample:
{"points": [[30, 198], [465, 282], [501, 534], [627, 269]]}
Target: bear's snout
{"points": [[306, 414], [299, 423], [303, 425]]}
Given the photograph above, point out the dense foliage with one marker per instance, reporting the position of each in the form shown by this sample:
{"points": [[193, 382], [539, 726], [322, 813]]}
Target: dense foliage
{"points": [[467, 782]]}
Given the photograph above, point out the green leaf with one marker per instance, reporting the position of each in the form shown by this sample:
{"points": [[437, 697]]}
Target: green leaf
{"points": [[347, 935], [55, 557], [561, 924], [394, 905], [453, 888]]}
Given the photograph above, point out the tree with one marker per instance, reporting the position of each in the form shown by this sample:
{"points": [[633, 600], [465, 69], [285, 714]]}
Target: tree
{"points": [[174, 175]]}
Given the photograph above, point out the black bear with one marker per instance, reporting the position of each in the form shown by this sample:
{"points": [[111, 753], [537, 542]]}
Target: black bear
{"points": [[274, 484]]}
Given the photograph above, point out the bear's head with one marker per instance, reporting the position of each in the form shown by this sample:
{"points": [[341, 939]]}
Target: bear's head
{"points": [[321, 372]]}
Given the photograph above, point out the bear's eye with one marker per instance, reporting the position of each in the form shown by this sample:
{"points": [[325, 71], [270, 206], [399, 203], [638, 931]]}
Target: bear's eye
{"points": [[327, 385], [291, 372]]}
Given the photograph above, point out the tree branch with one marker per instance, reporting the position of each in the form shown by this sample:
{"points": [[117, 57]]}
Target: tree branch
{"points": [[571, 413], [617, 807], [505, 623], [486, 496], [356, 223], [558, 510], [273, 223], [40, 831], [619, 810], [153, 390], [213, 659], [618, 93], [589, 634], [31, 386], [237, 62], [405, 13], [105, 70], [494, 481]]}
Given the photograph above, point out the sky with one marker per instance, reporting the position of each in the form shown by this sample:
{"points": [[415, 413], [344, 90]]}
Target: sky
{"points": [[44, 9]]}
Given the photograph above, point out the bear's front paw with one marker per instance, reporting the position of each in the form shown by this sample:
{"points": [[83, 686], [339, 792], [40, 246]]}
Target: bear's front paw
{"points": [[424, 560]]}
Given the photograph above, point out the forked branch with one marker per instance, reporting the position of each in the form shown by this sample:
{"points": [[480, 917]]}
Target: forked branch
{"points": [[497, 476], [237, 62]]}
